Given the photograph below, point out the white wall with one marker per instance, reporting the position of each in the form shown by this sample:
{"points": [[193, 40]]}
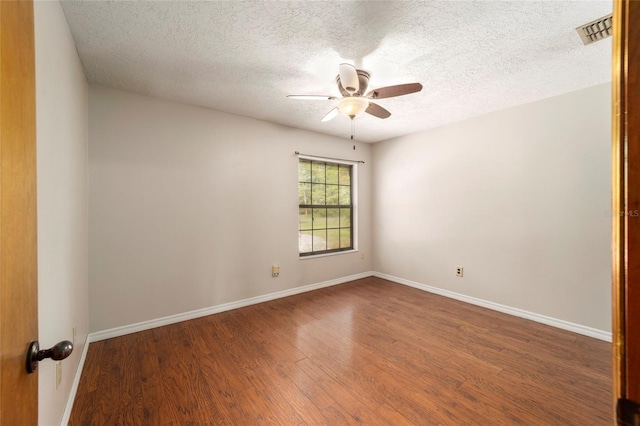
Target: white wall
{"points": [[190, 208], [62, 122], [518, 197]]}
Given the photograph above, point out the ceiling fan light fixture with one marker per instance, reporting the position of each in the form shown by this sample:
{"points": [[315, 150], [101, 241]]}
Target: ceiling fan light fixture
{"points": [[353, 106]]}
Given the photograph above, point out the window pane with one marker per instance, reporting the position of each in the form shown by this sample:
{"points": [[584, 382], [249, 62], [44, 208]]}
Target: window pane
{"points": [[317, 172], [345, 175], [332, 173], [304, 193], [304, 219], [333, 218], [319, 240], [345, 196], [345, 218], [304, 171], [333, 239], [317, 194], [332, 195], [319, 218], [305, 239], [323, 226], [345, 237]]}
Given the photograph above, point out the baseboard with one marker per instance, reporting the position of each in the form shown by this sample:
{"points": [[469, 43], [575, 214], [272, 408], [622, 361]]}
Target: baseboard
{"points": [[159, 322], [554, 322], [74, 386]]}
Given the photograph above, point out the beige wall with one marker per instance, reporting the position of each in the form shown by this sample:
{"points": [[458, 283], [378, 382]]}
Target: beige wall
{"points": [[190, 208], [62, 120], [518, 197]]}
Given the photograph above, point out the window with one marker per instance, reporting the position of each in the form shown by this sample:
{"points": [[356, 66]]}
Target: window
{"points": [[325, 202]]}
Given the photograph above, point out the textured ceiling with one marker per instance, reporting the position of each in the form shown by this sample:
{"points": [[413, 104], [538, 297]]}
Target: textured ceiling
{"points": [[245, 57]]}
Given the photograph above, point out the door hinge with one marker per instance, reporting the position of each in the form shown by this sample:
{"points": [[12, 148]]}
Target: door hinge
{"points": [[628, 413]]}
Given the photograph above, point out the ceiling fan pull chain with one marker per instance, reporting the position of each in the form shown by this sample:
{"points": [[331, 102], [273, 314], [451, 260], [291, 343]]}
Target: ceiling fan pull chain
{"points": [[353, 131]]}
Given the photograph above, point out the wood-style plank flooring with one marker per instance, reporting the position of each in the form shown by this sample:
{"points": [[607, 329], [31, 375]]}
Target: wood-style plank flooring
{"points": [[366, 352]]}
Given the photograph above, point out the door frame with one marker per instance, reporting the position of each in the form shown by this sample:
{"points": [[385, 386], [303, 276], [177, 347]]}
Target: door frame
{"points": [[626, 205]]}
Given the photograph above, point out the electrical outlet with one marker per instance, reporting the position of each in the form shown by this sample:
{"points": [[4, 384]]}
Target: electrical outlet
{"points": [[275, 271], [73, 336], [58, 374], [459, 271], [361, 255]]}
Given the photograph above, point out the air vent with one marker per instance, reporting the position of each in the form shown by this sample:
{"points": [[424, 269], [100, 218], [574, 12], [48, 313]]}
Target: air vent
{"points": [[595, 30]]}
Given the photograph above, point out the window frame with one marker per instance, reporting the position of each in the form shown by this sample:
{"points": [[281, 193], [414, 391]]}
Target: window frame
{"points": [[354, 207]]}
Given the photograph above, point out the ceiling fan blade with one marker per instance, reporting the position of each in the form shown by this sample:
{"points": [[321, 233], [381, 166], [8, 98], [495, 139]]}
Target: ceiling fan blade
{"points": [[392, 91], [331, 114], [377, 111], [313, 97], [349, 78]]}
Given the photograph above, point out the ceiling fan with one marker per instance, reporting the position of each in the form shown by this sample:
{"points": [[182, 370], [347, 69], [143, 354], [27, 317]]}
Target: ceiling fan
{"points": [[355, 100]]}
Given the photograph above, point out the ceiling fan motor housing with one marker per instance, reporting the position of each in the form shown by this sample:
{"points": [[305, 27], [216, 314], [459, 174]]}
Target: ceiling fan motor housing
{"points": [[363, 79]]}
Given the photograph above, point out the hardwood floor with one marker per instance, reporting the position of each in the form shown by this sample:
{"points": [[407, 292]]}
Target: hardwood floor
{"points": [[366, 352]]}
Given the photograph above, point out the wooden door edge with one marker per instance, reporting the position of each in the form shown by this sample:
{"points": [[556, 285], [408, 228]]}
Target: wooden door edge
{"points": [[618, 192]]}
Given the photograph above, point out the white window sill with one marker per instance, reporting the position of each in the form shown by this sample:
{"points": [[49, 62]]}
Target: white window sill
{"points": [[315, 256]]}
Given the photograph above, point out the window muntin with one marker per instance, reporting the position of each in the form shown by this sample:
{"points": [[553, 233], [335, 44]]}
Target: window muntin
{"points": [[325, 207]]}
